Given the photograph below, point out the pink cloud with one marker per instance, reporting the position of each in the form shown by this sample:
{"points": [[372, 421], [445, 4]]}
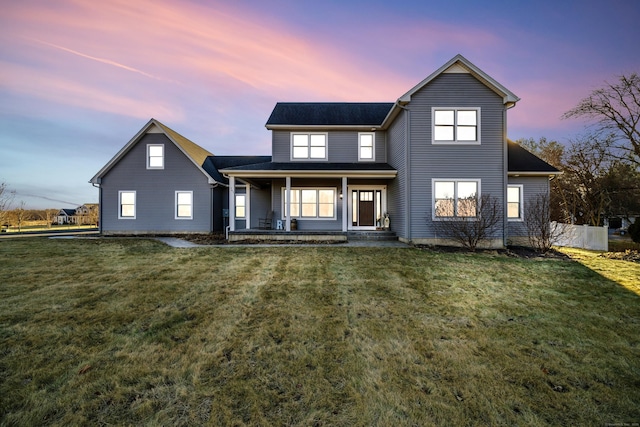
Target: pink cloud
{"points": [[63, 90], [214, 47]]}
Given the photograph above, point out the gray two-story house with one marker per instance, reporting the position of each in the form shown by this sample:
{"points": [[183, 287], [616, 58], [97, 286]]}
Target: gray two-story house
{"points": [[340, 168]]}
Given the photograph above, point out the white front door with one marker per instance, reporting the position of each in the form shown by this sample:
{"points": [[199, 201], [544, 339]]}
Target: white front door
{"points": [[367, 204]]}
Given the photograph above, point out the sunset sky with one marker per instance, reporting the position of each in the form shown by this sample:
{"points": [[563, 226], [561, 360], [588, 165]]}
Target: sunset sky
{"points": [[79, 78]]}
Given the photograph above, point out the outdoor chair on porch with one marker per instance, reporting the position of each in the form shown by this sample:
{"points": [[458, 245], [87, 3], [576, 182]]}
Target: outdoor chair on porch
{"points": [[266, 223]]}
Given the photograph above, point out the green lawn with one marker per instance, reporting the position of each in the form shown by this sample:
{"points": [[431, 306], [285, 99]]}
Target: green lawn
{"points": [[131, 332]]}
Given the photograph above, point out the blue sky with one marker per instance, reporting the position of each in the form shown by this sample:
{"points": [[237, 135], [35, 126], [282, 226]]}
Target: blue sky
{"points": [[79, 78]]}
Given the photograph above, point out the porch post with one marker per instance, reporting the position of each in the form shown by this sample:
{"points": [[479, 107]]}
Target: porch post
{"points": [[345, 205], [247, 207], [288, 204], [232, 203]]}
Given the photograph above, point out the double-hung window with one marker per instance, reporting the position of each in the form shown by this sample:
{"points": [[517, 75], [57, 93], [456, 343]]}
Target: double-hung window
{"points": [[455, 198], [184, 205], [155, 156], [126, 205], [308, 146], [310, 203], [241, 206], [456, 125], [514, 202], [366, 146]]}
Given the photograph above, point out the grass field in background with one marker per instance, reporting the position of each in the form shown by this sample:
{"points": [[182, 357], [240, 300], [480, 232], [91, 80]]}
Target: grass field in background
{"points": [[129, 331]]}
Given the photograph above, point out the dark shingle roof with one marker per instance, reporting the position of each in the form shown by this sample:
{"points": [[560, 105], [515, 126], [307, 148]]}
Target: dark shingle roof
{"points": [[213, 164], [521, 160], [329, 113], [313, 166]]}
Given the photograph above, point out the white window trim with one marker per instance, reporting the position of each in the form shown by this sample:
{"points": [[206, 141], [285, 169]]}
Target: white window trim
{"points": [[373, 147], [309, 159], [149, 157], [455, 141], [520, 206], [175, 206], [311, 218], [244, 205], [135, 204], [455, 181]]}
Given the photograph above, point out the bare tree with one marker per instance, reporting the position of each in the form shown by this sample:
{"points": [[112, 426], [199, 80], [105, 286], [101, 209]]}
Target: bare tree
{"points": [[20, 215], [542, 233], [48, 215], [616, 110], [6, 197], [470, 231]]}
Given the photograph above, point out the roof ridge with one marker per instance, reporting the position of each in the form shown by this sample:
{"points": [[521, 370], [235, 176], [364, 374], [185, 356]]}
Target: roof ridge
{"points": [[193, 150]]}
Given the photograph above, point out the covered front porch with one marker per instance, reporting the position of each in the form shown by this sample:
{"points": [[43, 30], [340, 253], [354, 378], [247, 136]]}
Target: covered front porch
{"points": [[325, 203]]}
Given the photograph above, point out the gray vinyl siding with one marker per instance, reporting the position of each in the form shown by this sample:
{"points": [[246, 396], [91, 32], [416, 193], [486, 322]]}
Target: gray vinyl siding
{"points": [[531, 187], [280, 146], [484, 162], [342, 146], [260, 205], [396, 194], [309, 224], [155, 192]]}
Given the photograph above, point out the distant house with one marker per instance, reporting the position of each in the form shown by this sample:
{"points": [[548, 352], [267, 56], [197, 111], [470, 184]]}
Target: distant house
{"points": [[338, 169], [86, 214], [66, 216]]}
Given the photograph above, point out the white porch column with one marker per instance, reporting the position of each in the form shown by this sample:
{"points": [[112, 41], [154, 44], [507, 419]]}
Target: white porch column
{"points": [[232, 203], [345, 204], [247, 208], [288, 204]]}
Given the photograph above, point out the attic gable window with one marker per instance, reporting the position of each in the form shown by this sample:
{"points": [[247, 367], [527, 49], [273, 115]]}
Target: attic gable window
{"points": [[155, 156], [456, 125], [308, 146]]}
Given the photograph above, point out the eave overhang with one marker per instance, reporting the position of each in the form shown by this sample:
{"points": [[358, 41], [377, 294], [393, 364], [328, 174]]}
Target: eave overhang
{"points": [[382, 174], [318, 128], [508, 97]]}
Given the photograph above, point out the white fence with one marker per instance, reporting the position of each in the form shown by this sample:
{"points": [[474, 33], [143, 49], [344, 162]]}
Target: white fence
{"points": [[583, 236]]}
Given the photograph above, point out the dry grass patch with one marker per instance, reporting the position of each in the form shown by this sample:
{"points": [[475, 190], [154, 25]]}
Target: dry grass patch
{"points": [[117, 331]]}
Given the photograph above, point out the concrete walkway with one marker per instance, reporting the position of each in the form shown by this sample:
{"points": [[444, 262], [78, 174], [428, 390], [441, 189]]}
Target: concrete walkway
{"points": [[175, 242]]}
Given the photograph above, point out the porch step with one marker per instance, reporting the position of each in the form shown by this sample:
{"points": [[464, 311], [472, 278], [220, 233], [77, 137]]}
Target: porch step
{"points": [[372, 235]]}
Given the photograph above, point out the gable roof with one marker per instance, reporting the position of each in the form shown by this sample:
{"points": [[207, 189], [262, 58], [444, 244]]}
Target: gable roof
{"points": [[193, 151], [461, 64], [523, 162], [327, 114]]}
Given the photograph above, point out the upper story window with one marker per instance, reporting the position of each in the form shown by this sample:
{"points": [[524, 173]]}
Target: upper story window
{"points": [[184, 204], [155, 156], [456, 125], [308, 146], [514, 202], [127, 204], [366, 146], [455, 198]]}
